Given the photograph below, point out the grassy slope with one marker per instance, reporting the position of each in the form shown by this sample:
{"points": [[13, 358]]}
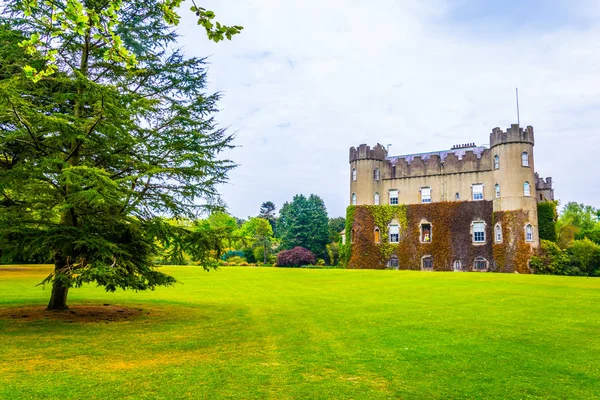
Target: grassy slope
{"points": [[280, 333]]}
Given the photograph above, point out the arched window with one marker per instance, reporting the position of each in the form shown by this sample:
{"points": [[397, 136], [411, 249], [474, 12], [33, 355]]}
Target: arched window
{"points": [[393, 262], [457, 196], [353, 174], [498, 233], [480, 264], [528, 233], [526, 189], [496, 161], [353, 199], [377, 235], [376, 199], [457, 265], [376, 174], [427, 263], [497, 191], [525, 159]]}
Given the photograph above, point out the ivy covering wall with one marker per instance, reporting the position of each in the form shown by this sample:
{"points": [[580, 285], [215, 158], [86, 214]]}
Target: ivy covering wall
{"points": [[451, 234], [513, 253]]}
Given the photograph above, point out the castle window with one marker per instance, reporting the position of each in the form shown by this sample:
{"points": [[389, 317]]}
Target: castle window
{"points": [[457, 265], [353, 174], [427, 263], [353, 199], [526, 189], [541, 198], [525, 159], [393, 197], [352, 235], [394, 231], [426, 233], [457, 196], [477, 191], [529, 233], [376, 174], [393, 171], [497, 191], [426, 195], [393, 262], [376, 199], [480, 264], [479, 232], [496, 162], [498, 233], [377, 235]]}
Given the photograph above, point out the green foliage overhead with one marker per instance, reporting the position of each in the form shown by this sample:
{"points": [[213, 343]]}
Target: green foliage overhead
{"points": [[304, 222], [95, 157], [101, 22]]}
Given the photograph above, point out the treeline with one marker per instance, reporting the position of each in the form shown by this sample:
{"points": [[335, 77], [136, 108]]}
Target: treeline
{"points": [[569, 243], [300, 233]]}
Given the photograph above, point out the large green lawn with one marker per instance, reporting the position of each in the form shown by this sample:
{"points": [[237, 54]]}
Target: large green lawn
{"points": [[289, 333]]}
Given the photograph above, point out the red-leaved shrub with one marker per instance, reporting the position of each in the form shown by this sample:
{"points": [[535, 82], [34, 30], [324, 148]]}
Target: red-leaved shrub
{"points": [[295, 257]]}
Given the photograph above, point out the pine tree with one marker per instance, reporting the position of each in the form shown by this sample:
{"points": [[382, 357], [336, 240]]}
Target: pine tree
{"points": [[304, 222], [98, 153]]}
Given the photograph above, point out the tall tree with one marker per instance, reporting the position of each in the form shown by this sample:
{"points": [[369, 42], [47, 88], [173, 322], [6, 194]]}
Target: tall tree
{"points": [[336, 226], [304, 222], [267, 211], [258, 233], [99, 150]]}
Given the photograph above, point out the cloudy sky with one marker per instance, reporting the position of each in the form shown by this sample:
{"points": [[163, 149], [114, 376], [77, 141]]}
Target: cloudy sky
{"points": [[308, 79]]}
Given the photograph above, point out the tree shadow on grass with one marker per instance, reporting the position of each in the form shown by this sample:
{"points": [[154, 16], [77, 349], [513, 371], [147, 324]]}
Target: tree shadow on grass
{"points": [[77, 313]]}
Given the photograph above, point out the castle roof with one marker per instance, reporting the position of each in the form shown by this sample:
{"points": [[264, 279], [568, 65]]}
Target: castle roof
{"points": [[459, 152]]}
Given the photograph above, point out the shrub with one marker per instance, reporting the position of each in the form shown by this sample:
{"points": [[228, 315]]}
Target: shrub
{"points": [[243, 264], [236, 260], [272, 260], [295, 257], [585, 255], [321, 262], [232, 253], [550, 260]]}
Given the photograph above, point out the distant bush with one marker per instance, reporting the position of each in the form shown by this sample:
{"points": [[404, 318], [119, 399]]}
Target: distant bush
{"points": [[585, 256], [243, 264], [232, 253], [236, 260], [295, 257], [320, 262]]}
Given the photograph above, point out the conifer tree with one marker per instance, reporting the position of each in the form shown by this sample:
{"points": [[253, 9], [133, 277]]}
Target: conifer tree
{"points": [[105, 132]]}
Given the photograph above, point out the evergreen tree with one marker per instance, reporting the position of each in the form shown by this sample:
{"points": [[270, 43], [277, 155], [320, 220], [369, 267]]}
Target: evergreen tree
{"points": [[304, 223], [267, 211], [101, 140]]}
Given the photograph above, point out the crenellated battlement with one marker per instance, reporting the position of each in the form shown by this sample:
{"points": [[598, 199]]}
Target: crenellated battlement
{"points": [[514, 134], [364, 152], [459, 159], [541, 183]]}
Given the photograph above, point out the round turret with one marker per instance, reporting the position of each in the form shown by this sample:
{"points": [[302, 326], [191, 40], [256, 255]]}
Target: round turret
{"points": [[366, 172], [513, 172]]}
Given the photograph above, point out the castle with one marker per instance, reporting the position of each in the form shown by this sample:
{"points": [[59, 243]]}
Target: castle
{"points": [[470, 208]]}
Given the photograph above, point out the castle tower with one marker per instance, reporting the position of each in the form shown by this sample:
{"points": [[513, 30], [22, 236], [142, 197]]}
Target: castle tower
{"points": [[514, 172], [366, 174]]}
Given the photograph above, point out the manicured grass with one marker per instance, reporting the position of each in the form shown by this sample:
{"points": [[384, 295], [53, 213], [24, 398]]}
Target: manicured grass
{"points": [[289, 333]]}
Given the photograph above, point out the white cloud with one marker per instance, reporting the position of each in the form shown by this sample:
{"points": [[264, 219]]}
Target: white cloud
{"points": [[307, 80]]}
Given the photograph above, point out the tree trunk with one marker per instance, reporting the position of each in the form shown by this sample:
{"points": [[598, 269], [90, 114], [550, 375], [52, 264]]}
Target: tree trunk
{"points": [[58, 299]]}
